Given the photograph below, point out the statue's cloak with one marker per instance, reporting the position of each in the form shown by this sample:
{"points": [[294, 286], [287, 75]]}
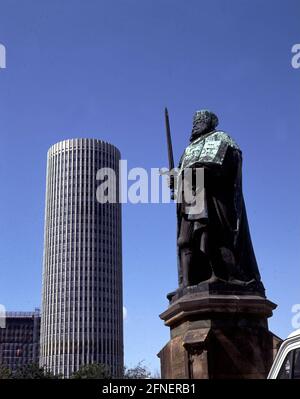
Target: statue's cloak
{"points": [[219, 233]]}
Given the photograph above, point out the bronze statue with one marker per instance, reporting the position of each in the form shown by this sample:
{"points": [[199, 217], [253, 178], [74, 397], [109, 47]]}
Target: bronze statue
{"points": [[214, 244], [218, 316]]}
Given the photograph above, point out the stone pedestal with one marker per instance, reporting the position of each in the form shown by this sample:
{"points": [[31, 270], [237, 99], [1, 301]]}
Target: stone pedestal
{"points": [[218, 336]]}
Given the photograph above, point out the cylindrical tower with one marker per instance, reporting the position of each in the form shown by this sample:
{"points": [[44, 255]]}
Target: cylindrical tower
{"points": [[82, 319]]}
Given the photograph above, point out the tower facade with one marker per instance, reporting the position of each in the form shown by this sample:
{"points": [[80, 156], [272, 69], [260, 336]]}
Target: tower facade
{"points": [[82, 320]]}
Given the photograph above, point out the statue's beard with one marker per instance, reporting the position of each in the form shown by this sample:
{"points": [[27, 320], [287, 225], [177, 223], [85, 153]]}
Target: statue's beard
{"points": [[199, 129]]}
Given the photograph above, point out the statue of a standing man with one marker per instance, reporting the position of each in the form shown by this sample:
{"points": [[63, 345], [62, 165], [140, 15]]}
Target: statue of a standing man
{"points": [[214, 244]]}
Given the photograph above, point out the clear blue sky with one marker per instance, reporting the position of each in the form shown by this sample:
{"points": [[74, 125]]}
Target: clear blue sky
{"points": [[106, 69]]}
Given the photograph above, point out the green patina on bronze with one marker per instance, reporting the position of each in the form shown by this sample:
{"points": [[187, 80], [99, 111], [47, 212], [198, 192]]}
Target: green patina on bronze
{"points": [[209, 148]]}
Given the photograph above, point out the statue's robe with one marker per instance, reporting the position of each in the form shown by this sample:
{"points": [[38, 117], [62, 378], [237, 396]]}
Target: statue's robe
{"points": [[217, 237]]}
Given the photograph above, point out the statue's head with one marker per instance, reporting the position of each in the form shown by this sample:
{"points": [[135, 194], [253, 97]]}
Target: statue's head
{"points": [[204, 122]]}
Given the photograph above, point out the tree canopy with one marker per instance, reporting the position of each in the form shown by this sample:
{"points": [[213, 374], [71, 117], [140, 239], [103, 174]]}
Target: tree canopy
{"points": [[92, 371]]}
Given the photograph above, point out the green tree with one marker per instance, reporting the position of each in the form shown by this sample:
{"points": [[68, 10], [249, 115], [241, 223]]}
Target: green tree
{"points": [[140, 372], [5, 373], [33, 371], [92, 371]]}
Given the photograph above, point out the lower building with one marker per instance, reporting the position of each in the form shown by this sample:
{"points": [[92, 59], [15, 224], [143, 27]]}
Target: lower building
{"points": [[19, 339]]}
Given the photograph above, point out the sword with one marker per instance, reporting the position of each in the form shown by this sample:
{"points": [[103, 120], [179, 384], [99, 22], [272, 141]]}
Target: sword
{"points": [[170, 153]]}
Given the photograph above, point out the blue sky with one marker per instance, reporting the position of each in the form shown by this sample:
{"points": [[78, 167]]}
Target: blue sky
{"points": [[106, 69]]}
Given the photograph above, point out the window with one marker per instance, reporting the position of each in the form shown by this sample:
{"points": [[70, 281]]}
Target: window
{"points": [[285, 371], [296, 368], [290, 368]]}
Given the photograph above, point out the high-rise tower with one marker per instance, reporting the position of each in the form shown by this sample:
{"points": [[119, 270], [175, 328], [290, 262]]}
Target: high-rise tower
{"points": [[82, 318]]}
